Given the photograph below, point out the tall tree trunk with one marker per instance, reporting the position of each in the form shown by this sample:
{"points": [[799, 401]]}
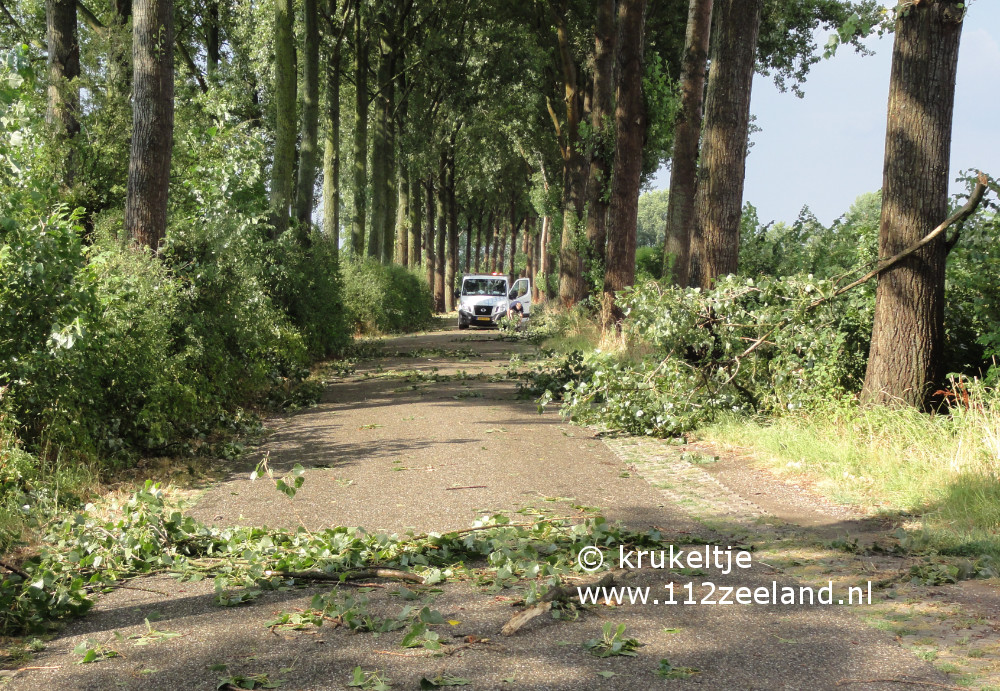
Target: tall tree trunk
{"points": [[468, 240], [515, 228], [441, 211], [529, 251], [283, 167], [64, 69], [502, 246], [310, 120], [544, 258], [451, 265], [429, 216], [213, 41], [630, 125], [572, 287], [479, 244], [360, 136], [715, 242], [687, 133], [416, 220], [908, 334], [601, 117], [402, 212], [331, 145], [380, 172], [152, 122]]}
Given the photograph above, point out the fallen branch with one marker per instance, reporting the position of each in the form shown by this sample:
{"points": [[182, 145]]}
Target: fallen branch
{"points": [[340, 577], [544, 604], [448, 489], [967, 209], [16, 570]]}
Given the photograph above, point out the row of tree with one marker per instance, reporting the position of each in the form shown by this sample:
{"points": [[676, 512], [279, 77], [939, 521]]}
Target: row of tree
{"points": [[514, 129]]}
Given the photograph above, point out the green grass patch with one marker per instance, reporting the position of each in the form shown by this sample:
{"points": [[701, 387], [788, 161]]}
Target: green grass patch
{"points": [[943, 468]]}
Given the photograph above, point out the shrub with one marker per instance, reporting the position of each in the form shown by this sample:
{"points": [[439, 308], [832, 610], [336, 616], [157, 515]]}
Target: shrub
{"points": [[380, 298]]}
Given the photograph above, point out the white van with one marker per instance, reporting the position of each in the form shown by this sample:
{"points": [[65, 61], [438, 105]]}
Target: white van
{"points": [[485, 298]]}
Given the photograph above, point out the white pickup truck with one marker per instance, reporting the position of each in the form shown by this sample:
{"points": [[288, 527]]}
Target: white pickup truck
{"points": [[487, 297]]}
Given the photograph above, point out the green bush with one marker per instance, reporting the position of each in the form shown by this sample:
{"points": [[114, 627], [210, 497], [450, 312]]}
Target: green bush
{"points": [[382, 298]]}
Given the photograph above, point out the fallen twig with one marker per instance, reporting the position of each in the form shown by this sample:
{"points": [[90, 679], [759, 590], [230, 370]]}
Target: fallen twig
{"points": [[466, 487], [15, 569], [544, 604]]}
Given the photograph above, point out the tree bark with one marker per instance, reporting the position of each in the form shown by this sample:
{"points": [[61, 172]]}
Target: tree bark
{"points": [[429, 216], [908, 333], [416, 221], [64, 69], [684, 159], [402, 212], [451, 264], [152, 123], [309, 136], [468, 240], [213, 42], [441, 211], [283, 167], [601, 120], [572, 287], [715, 242], [360, 136], [331, 144], [630, 126]]}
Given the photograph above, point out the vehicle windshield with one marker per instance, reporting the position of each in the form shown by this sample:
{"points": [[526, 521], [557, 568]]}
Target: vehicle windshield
{"points": [[484, 286]]}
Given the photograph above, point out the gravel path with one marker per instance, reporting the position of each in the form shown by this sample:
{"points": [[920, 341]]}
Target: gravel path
{"points": [[428, 439]]}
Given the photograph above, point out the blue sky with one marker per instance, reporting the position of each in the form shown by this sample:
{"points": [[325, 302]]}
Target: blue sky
{"points": [[827, 148]]}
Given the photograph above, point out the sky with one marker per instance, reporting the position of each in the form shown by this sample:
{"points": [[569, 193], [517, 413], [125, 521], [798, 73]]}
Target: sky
{"points": [[827, 148]]}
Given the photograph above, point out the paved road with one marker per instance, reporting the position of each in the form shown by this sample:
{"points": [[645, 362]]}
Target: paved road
{"points": [[410, 442]]}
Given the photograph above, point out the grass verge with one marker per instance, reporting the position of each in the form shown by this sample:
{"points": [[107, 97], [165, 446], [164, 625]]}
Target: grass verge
{"points": [[942, 470]]}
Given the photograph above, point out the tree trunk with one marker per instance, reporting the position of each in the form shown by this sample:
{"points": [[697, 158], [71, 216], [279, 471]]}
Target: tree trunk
{"points": [[908, 334], [283, 167], [684, 159], [331, 148], [479, 244], [451, 265], [310, 119], [601, 123], [402, 212], [380, 172], [468, 241], [630, 126], [152, 122], [442, 231], [64, 70], [715, 242], [544, 260], [429, 216], [360, 136], [526, 246], [416, 221], [515, 228], [572, 287], [213, 41]]}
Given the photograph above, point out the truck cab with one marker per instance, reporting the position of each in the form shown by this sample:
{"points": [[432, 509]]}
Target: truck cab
{"points": [[485, 298]]}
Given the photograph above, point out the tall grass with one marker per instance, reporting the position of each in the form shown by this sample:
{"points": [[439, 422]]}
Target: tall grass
{"points": [[942, 468]]}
